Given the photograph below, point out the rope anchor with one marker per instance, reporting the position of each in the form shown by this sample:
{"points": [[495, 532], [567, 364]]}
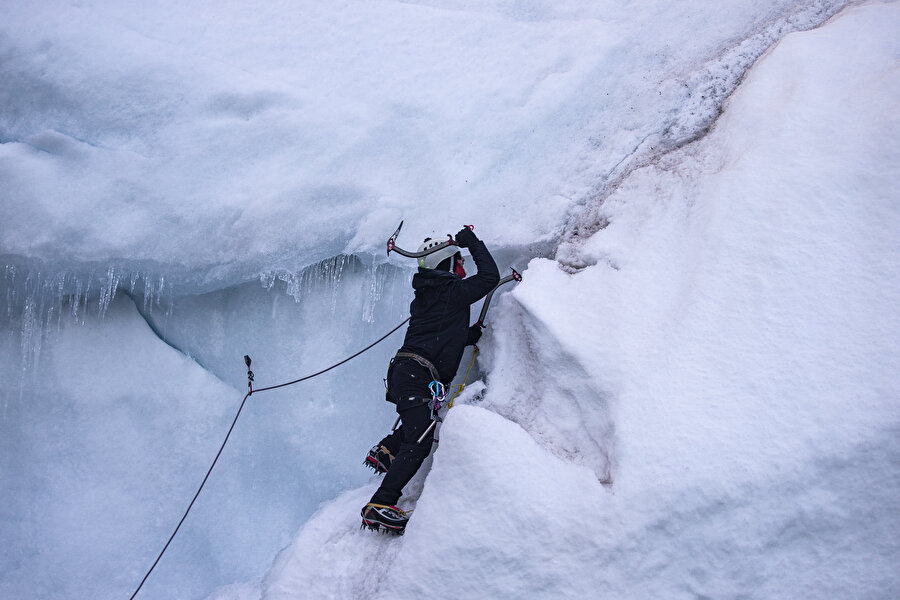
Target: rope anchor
{"points": [[249, 373]]}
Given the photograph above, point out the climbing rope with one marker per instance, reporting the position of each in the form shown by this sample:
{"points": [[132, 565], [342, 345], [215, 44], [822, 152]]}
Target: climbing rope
{"points": [[234, 422], [460, 387]]}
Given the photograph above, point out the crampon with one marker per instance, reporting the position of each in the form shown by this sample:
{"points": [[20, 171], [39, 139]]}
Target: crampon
{"points": [[383, 518], [378, 459]]}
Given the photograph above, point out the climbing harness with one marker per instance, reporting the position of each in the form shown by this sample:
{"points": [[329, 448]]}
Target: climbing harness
{"points": [[422, 361], [436, 387], [250, 392]]}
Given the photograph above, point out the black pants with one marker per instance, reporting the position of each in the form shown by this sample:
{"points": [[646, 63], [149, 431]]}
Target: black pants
{"points": [[408, 386]]}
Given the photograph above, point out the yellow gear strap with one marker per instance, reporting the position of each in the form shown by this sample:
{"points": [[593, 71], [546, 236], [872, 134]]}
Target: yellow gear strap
{"points": [[462, 386]]}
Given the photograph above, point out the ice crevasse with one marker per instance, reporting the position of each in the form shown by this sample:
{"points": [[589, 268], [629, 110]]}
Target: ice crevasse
{"points": [[703, 402]]}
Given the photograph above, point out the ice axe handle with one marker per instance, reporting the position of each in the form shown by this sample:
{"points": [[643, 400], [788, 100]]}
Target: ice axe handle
{"points": [[422, 437], [515, 276], [393, 247]]}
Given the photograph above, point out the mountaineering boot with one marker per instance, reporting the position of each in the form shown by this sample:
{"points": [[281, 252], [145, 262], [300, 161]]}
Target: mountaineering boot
{"points": [[379, 459], [389, 519]]}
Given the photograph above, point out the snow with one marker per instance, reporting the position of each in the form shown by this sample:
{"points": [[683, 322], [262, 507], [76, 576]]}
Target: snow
{"points": [[235, 122], [738, 330], [691, 394]]}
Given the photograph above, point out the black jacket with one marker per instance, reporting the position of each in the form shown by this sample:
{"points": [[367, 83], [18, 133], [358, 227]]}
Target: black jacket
{"points": [[439, 314]]}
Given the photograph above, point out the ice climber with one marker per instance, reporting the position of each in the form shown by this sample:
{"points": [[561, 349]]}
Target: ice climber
{"points": [[438, 332]]}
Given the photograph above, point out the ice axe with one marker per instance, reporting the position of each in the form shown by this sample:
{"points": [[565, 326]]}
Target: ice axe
{"points": [[392, 245]]}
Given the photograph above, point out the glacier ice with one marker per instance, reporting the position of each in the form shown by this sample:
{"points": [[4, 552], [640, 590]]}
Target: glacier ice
{"points": [[184, 184], [735, 320]]}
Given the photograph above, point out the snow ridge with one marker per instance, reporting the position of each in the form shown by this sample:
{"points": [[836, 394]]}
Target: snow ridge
{"points": [[701, 95]]}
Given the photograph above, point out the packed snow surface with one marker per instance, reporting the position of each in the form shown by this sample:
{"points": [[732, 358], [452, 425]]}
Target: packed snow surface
{"points": [[691, 394]]}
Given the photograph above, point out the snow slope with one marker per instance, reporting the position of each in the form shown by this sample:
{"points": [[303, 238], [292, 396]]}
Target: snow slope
{"points": [[736, 319]]}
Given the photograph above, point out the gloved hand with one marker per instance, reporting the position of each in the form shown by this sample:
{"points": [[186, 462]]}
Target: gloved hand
{"points": [[474, 335], [465, 237]]}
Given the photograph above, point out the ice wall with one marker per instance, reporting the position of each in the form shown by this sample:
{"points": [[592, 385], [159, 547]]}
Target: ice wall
{"points": [[226, 173], [98, 456]]}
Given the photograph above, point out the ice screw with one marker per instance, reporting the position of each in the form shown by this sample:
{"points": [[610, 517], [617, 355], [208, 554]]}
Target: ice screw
{"points": [[249, 373]]}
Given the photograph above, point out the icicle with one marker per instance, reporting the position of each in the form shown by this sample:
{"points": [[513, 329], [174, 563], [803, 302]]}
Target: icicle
{"points": [[38, 339], [10, 277], [165, 301], [108, 291], [267, 280], [27, 331], [337, 275], [148, 293], [60, 299], [76, 300], [368, 314], [294, 285], [87, 293]]}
